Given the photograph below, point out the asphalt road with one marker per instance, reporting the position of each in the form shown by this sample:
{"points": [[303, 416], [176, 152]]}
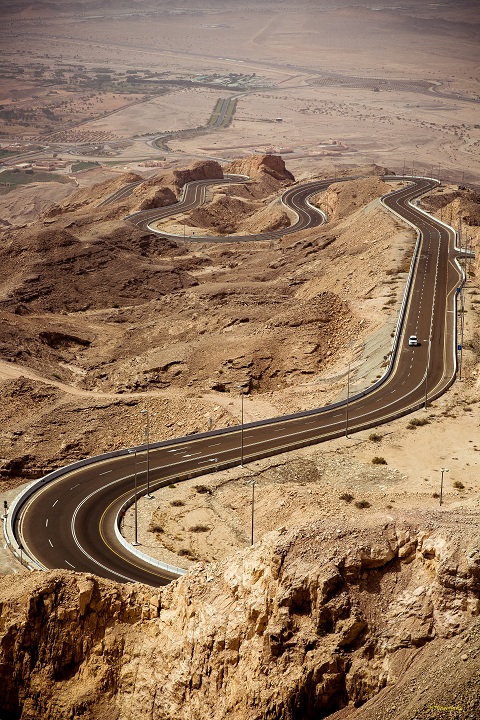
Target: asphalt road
{"points": [[195, 193], [70, 522]]}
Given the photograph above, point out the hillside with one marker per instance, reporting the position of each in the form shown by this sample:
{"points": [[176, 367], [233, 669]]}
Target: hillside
{"points": [[310, 621], [105, 309], [360, 590]]}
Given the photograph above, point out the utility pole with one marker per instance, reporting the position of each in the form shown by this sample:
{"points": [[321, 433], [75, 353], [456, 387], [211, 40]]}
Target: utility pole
{"points": [[147, 436], [253, 506], [241, 437], [462, 314], [442, 470], [241, 388], [426, 371], [348, 398], [135, 514]]}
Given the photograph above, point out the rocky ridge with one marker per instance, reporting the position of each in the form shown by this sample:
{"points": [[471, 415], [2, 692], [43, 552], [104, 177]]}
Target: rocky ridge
{"points": [[312, 620]]}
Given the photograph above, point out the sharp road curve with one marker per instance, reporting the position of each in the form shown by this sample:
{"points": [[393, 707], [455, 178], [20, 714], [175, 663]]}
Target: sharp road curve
{"points": [[71, 521]]}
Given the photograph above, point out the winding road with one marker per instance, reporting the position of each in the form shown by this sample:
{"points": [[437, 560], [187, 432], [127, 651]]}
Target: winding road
{"points": [[72, 519]]}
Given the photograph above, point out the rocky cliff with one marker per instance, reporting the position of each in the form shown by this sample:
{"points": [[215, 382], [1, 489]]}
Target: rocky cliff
{"points": [[308, 622]]}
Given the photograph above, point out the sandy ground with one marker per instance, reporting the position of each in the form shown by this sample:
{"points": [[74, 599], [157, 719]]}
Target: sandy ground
{"points": [[327, 125], [304, 61], [308, 484], [207, 518]]}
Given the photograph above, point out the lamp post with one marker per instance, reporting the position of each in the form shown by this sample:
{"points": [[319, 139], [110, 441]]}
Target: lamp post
{"points": [[426, 371], [147, 436], [348, 398], [442, 470], [135, 542], [253, 505], [241, 388]]}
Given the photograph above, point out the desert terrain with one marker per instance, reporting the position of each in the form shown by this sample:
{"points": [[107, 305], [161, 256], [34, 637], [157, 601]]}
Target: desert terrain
{"points": [[99, 320]]}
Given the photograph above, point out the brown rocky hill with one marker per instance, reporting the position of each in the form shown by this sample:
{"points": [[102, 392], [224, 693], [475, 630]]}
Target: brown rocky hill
{"points": [[380, 616], [367, 614], [91, 302]]}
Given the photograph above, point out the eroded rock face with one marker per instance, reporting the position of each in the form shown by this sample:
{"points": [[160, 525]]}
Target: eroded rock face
{"points": [[308, 621]]}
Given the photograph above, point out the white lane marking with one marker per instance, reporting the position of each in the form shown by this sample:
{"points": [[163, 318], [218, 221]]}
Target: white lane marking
{"points": [[104, 473], [214, 445], [54, 503], [46, 522], [51, 544], [174, 450], [74, 486], [68, 563], [74, 534]]}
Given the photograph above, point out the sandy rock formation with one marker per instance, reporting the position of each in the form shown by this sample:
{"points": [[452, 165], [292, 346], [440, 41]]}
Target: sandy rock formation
{"points": [[342, 199], [258, 166], [309, 621], [164, 189]]}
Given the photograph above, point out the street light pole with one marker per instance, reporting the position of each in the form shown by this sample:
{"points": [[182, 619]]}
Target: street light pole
{"points": [[253, 504], [241, 436], [442, 470], [147, 435], [426, 371], [462, 320], [348, 398], [241, 388], [135, 542]]}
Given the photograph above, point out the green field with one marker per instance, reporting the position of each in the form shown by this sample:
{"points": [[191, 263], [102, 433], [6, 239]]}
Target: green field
{"points": [[20, 177], [84, 165]]}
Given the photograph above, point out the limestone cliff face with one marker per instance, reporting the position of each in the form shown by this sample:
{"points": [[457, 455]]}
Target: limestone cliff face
{"points": [[344, 198], [164, 189], [260, 166], [303, 624]]}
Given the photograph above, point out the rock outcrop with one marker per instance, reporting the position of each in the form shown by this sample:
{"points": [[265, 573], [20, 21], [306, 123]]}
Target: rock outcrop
{"points": [[308, 622]]}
